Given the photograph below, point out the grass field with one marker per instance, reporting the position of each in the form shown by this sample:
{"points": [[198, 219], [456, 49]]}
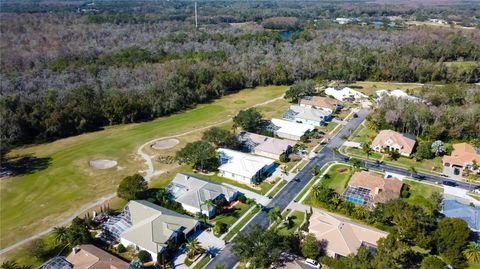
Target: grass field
{"points": [[472, 265], [35, 201], [370, 87], [278, 188], [338, 177], [242, 223], [420, 194], [298, 218], [230, 219]]}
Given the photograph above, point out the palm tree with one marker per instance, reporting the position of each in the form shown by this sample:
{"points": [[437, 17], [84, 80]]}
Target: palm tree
{"points": [[274, 214], [202, 217], [194, 246], [314, 170], [356, 163], [367, 149], [9, 264], [316, 189], [472, 253], [336, 200], [209, 203], [60, 234], [412, 170]]}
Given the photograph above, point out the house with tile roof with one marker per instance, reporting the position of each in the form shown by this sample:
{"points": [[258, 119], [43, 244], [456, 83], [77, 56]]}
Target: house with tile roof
{"points": [[147, 226], [307, 115], [92, 257], [266, 146], [324, 103], [369, 188], [243, 167], [192, 193], [392, 140], [463, 156], [343, 235]]}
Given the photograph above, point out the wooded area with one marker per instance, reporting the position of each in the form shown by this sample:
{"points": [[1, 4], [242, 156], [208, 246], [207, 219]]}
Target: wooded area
{"points": [[67, 73]]}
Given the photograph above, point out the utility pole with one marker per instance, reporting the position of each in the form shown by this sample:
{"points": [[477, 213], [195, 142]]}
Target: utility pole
{"points": [[196, 18]]}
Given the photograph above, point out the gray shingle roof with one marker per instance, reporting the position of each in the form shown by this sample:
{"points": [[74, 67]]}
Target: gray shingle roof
{"points": [[153, 225], [194, 192]]}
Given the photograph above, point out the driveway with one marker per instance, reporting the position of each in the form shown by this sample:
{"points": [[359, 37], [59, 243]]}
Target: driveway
{"points": [[209, 241]]}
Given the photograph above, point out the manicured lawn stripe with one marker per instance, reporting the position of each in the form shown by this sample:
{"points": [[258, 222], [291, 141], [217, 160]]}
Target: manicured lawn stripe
{"points": [[242, 223]]}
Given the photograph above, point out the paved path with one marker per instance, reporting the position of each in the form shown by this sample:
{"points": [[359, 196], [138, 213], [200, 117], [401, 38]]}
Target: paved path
{"points": [[150, 173]]}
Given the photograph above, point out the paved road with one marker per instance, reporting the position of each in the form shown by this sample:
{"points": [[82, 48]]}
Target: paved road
{"points": [[288, 193], [419, 176]]}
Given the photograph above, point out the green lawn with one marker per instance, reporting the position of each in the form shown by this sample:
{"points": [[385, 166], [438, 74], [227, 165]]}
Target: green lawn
{"points": [[33, 202], [310, 184], [278, 188], [464, 65], [202, 263], [420, 193], [298, 218], [432, 165], [262, 188], [472, 265], [338, 177], [370, 87], [363, 135], [242, 223], [230, 218]]}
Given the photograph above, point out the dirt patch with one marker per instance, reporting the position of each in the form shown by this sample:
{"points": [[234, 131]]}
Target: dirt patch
{"points": [[103, 164], [342, 170], [165, 144]]}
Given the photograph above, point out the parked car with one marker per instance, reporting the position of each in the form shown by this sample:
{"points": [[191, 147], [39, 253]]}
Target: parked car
{"points": [[443, 175], [313, 263], [355, 115], [449, 183]]}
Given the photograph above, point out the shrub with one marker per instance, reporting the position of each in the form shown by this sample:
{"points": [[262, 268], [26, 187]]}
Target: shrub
{"points": [[219, 228], [144, 256], [121, 248], [242, 198], [405, 191], [38, 248], [283, 158]]}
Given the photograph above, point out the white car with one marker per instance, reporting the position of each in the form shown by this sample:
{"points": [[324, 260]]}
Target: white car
{"points": [[313, 263]]}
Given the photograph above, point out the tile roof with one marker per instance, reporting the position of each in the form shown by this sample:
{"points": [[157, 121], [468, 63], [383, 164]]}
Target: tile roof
{"points": [[240, 163], [380, 188], [344, 236], [462, 155], [392, 138], [92, 257], [320, 102]]}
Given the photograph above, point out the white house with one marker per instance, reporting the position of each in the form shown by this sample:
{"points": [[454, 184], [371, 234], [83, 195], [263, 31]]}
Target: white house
{"points": [[307, 115], [290, 130], [396, 93], [345, 93], [192, 193], [243, 167]]}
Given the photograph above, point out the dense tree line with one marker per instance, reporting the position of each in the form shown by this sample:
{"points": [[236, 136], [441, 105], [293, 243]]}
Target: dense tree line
{"points": [[57, 82], [448, 113]]}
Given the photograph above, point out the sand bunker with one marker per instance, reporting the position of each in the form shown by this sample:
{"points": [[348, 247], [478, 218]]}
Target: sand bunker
{"points": [[165, 144], [103, 164]]}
